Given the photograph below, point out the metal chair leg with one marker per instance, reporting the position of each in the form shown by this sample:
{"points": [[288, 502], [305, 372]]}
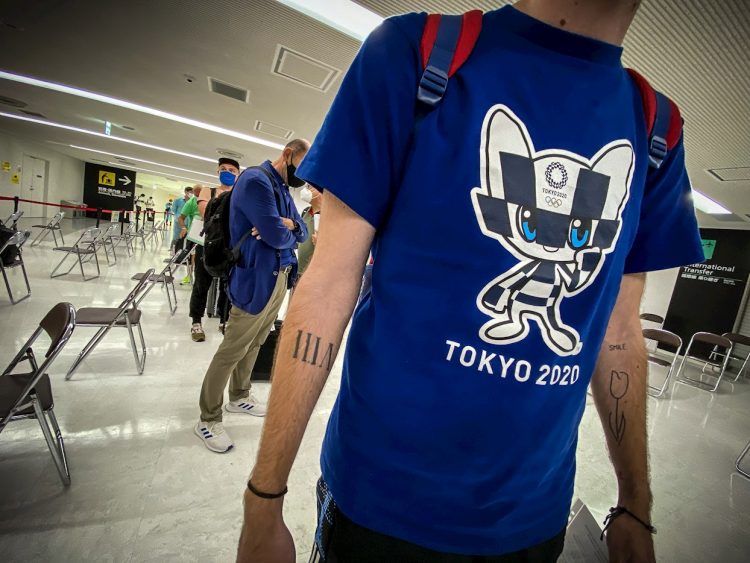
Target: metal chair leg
{"points": [[61, 466], [739, 461], [41, 235], [87, 350], [13, 300], [140, 362], [60, 442], [52, 274], [62, 238]]}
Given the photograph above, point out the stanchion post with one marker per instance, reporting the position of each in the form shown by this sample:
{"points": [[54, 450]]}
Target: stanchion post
{"points": [[15, 204], [98, 216], [137, 217]]}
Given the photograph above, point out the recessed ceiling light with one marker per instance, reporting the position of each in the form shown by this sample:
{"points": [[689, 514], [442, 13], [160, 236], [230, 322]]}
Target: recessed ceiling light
{"points": [[141, 160], [708, 205], [102, 135], [160, 173], [136, 107], [344, 15]]}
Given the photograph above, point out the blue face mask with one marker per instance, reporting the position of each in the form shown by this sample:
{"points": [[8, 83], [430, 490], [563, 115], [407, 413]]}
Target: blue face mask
{"points": [[227, 178]]}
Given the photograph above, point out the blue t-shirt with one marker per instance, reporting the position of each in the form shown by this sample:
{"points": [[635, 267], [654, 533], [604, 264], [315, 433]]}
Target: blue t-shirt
{"points": [[504, 225]]}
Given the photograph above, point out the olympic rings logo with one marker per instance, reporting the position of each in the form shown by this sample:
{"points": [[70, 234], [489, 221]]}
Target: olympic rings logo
{"points": [[556, 175], [553, 202]]}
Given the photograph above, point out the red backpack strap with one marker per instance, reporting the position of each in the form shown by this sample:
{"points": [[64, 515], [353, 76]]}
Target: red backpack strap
{"points": [[663, 121], [447, 42]]}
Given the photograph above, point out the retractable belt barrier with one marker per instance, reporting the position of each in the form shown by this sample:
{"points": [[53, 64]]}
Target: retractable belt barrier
{"points": [[99, 210]]}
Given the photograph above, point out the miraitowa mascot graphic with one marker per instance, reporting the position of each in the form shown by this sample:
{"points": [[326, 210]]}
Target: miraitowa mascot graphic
{"points": [[558, 213]]}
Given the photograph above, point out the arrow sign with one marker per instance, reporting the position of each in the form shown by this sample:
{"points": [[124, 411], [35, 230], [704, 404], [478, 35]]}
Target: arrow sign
{"points": [[125, 180]]}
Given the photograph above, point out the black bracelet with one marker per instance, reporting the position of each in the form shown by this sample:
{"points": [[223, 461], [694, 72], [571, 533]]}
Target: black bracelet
{"points": [[618, 510], [261, 494]]}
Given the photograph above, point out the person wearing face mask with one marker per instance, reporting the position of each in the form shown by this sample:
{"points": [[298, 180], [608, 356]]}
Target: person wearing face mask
{"points": [[310, 216], [266, 227], [228, 171]]}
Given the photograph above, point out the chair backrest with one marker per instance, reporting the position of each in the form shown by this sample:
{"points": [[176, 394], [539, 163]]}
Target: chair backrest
{"points": [[89, 235], [56, 219], [663, 337], [17, 239], [59, 323], [133, 295], [652, 318], [13, 218], [713, 339], [737, 338]]}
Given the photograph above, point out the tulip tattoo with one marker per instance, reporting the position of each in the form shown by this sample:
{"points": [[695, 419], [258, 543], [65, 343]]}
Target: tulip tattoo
{"points": [[618, 387]]}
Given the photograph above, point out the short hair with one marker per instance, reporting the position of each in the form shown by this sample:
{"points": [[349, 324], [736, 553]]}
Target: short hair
{"points": [[188, 189], [298, 146]]}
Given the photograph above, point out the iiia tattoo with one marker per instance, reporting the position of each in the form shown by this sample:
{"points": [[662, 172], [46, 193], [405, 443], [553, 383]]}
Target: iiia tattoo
{"points": [[618, 387], [308, 347]]}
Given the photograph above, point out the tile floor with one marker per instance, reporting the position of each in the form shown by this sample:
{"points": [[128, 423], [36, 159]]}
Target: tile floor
{"points": [[145, 489]]}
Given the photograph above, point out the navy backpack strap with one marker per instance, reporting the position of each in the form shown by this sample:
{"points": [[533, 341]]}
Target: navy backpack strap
{"points": [[447, 42], [663, 121], [435, 77]]}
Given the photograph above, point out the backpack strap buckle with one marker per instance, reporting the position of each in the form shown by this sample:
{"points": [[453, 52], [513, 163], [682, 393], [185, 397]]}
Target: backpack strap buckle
{"points": [[432, 86], [657, 151]]}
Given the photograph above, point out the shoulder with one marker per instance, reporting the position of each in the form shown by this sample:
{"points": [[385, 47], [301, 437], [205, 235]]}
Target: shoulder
{"points": [[252, 176], [397, 33]]}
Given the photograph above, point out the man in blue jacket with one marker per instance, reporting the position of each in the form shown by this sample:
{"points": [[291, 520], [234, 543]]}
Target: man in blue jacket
{"points": [[267, 268]]}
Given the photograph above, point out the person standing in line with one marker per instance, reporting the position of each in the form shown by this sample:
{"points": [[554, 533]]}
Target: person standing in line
{"points": [[263, 212], [168, 213], [176, 211], [453, 437], [228, 170], [310, 216]]}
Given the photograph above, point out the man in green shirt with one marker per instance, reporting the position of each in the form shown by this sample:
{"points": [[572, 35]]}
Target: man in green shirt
{"points": [[310, 216], [188, 213]]}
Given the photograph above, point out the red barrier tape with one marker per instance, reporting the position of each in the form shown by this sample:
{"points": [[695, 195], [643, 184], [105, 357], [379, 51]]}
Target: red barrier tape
{"points": [[77, 207]]}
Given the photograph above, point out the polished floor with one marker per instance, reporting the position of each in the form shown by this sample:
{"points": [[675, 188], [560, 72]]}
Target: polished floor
{"points": [[145, 489]]}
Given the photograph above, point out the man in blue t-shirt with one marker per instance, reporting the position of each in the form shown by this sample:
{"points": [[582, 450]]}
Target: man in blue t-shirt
{"points": [[464, 379], [264, 221], [176, 210]]}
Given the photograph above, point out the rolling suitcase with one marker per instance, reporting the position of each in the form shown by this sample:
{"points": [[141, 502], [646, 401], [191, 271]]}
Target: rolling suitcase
{"points": [[264, 363]]}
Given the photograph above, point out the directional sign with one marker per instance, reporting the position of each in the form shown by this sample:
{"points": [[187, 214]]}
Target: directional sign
{"points": [[108, 187]]}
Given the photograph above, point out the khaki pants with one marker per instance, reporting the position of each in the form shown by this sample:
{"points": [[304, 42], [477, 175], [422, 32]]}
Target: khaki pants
{"points": [[235, 358]]}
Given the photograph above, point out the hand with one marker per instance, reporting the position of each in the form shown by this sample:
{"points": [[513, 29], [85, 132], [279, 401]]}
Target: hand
{"points": [[629, 542], [315, 238], [289, 224], [265, 537], [255, 233], [183, 232]]}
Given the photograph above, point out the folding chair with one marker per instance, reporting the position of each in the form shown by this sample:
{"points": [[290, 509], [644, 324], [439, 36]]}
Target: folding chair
{"points": [[155, 231], [165, 278], [51, 227], [29, 395], [134, 234], [13, 219], [125, 237], [666, 339], [737, 340], [104, 240], [125, 315], [650, 317], [84, 246], [739, 461], [18, 240], [710, 366]]}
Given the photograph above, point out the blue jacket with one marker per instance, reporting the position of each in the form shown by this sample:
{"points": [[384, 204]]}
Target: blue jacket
{"points": [[254, 204]]}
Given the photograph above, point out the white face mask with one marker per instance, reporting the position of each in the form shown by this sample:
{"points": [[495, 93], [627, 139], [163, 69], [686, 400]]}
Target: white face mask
{"points": [[306, 195]]}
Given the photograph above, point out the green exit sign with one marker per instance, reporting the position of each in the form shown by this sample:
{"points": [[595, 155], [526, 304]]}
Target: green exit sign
{"points": [[708, 248]]}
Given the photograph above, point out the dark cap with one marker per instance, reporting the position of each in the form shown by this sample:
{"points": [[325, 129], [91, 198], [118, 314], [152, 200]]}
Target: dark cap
{"points": [[233, 162]]}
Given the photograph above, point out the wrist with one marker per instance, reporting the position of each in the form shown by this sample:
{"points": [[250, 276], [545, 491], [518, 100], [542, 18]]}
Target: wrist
{"points": [[637, 502]]}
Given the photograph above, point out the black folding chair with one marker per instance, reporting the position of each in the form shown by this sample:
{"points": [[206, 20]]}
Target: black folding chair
{"points": [[52, 227], [713, 367], [29, 395], [17, 240], [126, 315], [85, 246], [165, 278], [667, 340], [652, 318], [104, 240], [126, 237], [737, 340]]}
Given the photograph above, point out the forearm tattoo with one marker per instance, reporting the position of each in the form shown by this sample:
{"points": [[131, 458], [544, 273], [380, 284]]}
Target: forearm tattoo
{"points": [[618, 387], [309, 349]]}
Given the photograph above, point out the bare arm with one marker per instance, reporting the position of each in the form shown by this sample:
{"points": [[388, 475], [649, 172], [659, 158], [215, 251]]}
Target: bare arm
{"points": [[619, 388], [312, 333]]}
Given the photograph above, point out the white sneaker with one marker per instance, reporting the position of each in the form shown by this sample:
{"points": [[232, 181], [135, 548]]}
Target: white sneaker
{"points": [[214, 436], [248, 405]]}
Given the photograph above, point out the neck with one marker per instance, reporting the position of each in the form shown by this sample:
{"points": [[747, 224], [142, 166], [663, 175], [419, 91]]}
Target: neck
{"points": [[605, 20], [280, 167], [315, 205]]}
